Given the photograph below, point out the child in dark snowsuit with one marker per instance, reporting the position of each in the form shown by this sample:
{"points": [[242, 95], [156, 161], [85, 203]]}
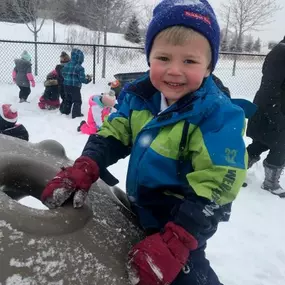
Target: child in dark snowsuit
{"points": [[50, 99], [267, 126], [74, 75], [64, 58], [184, 136], [22, 75], [8, 126]]}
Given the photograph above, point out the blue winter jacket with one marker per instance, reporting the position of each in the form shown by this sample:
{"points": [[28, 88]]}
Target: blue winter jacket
{"points": [[187, 162], [73, 72]]}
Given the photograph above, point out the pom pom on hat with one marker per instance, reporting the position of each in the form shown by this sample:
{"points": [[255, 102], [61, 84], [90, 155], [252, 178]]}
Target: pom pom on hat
{"points": [[8, 113], [195, 14]]}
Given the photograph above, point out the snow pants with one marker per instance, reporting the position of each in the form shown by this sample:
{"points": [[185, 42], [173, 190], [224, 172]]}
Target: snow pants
{"points": [[197, 271], [276, 155], [72, 100], [24, 92]]}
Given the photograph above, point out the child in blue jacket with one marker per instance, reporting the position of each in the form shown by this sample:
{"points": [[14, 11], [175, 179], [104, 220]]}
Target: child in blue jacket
{"points": [[74, 75], [185, 140]]}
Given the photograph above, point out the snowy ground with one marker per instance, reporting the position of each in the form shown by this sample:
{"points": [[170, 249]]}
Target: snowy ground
{"points": [[248, 250]]}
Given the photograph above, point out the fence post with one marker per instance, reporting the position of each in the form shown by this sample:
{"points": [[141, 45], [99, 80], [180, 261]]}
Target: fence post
{"points": [[36, 54], [94, 63], [235, 65]]}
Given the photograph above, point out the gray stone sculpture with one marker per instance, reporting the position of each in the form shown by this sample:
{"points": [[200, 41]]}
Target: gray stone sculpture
{"points": [[63, 246]]}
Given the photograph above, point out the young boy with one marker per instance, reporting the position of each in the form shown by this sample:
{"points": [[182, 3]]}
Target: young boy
{"points": [[74, 75], [187, 155]]}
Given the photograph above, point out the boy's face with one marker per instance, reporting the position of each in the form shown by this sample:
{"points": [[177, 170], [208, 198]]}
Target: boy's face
{"points": [[176, 70]]}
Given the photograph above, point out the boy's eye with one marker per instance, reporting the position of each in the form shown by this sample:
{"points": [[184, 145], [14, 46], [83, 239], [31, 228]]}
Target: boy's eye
{"points": [[189, 61], [162, 58]]}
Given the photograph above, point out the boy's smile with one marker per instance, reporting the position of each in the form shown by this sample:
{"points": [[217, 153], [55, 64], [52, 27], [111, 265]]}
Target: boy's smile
{"points": [[176, 70]]}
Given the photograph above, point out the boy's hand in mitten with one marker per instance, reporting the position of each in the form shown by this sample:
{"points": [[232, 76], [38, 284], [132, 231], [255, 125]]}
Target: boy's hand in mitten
{"points": [[88, 78], [158, 259], [75, 180]]}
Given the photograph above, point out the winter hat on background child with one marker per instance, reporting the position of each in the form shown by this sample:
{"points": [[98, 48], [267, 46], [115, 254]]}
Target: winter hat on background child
{"points": [[26, 56], [109, 99], [195, 14], [64, 57]]}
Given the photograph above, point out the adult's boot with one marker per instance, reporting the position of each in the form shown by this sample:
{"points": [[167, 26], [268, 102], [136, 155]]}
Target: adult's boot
{"points": [[271, 181]]}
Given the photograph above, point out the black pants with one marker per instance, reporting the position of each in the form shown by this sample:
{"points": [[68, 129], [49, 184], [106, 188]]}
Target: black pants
{"points": [[72, 100], [61, 91], [276, 155], [24, 92], [198, 271]]}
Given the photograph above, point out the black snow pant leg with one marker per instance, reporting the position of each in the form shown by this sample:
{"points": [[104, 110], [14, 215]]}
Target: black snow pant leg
{"points": [[276, 155], [24, 92], [256, 148], [77, 102], [61, 91], [65, 106], [197, 271]]}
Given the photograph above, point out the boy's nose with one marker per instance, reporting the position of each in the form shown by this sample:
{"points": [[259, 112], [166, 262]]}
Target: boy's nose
{"points": [[174, 70]]}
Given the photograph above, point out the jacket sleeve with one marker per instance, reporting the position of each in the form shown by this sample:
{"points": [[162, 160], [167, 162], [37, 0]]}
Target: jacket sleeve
{"points": [[81, 75], [14, 74], [18, 131], [113, 141], [219, 161]]}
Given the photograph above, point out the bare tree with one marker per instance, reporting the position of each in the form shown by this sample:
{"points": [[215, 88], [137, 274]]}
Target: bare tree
{"points": [[248, 15], [28, 10], [101, 15], [54, 9], [146, 11]]}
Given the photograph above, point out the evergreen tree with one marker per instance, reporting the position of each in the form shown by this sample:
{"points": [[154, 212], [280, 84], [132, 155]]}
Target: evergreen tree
{"points": [[133, 32], [271, 44], [233, 44], [239, 45], [248, 47], [257, 45], [224, 45]]}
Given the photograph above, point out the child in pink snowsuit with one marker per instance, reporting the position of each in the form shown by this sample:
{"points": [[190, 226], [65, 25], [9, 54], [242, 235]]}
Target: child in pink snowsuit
{"points": [[100, 106]]}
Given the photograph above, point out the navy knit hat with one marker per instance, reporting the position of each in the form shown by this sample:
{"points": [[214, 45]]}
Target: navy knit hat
{"points": [[195, 14]]}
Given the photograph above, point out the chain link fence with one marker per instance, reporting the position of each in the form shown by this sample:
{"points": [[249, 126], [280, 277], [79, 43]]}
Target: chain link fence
{"points": [[104, 61]]}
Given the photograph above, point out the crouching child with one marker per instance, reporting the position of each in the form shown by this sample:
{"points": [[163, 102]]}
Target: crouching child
{"points": [[50, 99]]}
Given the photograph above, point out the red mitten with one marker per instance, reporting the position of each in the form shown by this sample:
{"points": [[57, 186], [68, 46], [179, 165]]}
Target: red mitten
{"points": [[159, 258], [76, 179]]}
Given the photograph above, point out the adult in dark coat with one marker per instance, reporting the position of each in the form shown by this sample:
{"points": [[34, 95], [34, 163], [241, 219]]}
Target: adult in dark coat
{"points": [[267, 126]]}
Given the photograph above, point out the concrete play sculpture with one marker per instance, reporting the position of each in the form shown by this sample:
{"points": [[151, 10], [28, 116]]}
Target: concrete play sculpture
{"points": [[63, 246]]}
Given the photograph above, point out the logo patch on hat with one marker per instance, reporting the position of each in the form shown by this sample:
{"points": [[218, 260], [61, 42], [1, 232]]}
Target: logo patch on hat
{"points": [[186, 2], [197, 16]]}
